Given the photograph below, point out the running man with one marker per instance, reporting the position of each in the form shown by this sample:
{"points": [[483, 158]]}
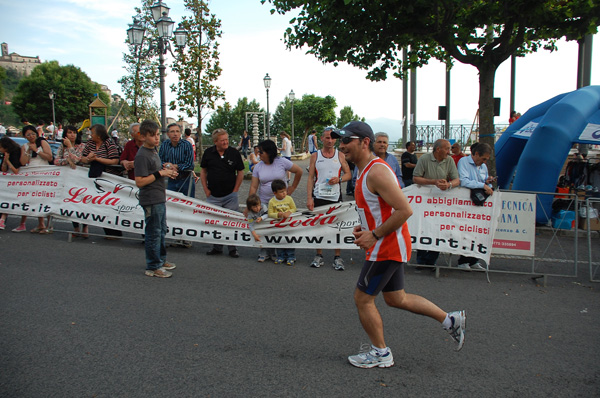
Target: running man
{"points": [[383, 234]]}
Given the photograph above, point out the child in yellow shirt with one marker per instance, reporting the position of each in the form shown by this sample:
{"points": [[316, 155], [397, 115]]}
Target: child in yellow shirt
{"points": [[282, 206]]}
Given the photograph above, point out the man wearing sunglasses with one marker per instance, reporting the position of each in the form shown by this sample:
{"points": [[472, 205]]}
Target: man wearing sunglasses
{"points": [[383, 234]]}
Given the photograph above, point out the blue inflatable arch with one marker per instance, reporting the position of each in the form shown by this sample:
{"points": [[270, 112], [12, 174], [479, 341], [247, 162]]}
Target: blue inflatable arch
{"points": [[535, 147]]}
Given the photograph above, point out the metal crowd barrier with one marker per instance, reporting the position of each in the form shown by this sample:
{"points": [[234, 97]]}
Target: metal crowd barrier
{"points": [[592, 221], [557, 250]]}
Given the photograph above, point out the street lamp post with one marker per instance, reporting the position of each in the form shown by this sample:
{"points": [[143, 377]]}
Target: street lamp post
{"points": [[267, 81], [52, 95], [292, 97], [164, 26]]}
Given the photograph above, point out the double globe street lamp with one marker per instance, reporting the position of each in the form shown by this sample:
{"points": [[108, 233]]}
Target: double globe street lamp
{"points": [[164, 25]]}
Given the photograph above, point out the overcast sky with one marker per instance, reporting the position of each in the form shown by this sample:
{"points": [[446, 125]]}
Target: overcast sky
{"points": [[91, 35]]}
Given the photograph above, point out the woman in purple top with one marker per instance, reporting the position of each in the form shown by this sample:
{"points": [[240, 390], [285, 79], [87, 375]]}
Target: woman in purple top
{"points": [[271, 167]]}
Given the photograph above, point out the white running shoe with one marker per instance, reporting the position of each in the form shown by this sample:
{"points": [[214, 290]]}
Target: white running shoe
{"points": [[464, 267], [317, 261], [371, 358], [477, 267], [338, 264], [457, 330]]}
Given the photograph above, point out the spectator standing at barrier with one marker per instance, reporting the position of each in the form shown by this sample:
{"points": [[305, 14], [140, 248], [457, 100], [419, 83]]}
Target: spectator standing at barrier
{"points": [[36, 152], [473, 174], [272, 167], [409, 162], [179, 154], [222, 174], [313, 146], [60, 132], [115, 137], [457, 153], [100, 151], [324, 185], [514, 116], [131, 149], [69, 154], [438, 169], [282, 206], [254, 158], [383, 234], [190, 139], [10, 158], [71, 150], [2, 130], [150, 176], [381, 147], [51, 129], [286, 150]]}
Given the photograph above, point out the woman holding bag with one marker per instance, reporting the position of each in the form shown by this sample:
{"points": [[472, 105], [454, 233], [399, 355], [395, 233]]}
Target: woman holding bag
{"points": [[100, 151]]}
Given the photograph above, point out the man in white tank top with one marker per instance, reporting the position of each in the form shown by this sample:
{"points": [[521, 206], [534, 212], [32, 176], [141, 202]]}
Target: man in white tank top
{"points": [[383, 234], [327, 170]]}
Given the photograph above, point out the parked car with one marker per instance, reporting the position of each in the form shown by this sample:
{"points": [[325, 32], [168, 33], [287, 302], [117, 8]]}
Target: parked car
{"points": [[54, 145]]}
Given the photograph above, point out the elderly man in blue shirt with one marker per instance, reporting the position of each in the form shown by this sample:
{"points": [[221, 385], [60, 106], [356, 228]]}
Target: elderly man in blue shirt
{"points": [[473, 174], [178, 154], [380, 147]]}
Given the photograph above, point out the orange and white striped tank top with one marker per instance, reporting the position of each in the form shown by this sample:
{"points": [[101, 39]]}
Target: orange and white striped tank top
{"points": [[374, 211]]}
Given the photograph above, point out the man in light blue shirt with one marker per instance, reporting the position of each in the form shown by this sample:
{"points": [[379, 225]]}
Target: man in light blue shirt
{"points": [[472, 170], [473, 174]]}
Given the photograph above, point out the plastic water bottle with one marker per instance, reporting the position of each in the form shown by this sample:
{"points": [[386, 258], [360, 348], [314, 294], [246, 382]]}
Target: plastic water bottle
{"points": [[328, 188]]}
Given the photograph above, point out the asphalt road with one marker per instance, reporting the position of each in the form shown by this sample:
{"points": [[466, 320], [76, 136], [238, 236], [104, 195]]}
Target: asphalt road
{"points": [[80, 319]]}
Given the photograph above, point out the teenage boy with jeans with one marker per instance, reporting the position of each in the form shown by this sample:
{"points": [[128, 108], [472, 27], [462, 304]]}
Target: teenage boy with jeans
{"points": [[149, 177]]}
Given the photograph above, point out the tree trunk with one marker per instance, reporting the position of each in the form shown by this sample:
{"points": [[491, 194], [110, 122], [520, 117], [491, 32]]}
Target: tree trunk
{"points": [[487, 134], [304, 140]]}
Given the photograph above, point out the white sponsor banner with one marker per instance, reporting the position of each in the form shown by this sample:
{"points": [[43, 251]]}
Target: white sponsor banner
{"points": [[449, 222], [32, 192], [515, 233], [591, 133], [112, 202], [444, 221], [526, 130]]}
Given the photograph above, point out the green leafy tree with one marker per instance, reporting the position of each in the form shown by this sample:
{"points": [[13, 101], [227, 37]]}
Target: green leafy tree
{"points": [[2, 78], [282, 117], [313, 112], [141, 66], [9, 83], [232, 119], [346, 116], [482, 33], [74, 92], [197, 64]]}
